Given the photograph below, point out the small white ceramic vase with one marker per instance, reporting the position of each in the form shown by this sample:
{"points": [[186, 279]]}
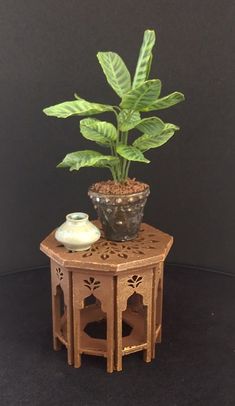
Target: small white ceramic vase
{"points": [[77, 233]]}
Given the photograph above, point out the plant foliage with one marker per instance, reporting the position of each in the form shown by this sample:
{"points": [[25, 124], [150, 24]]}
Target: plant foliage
{"points": [[137, 96]]}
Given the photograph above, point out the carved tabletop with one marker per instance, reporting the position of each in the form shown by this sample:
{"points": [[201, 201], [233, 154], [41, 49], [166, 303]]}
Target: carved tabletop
{"points": [[149, 248]]}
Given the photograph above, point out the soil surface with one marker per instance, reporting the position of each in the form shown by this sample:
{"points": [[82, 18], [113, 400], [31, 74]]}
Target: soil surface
{"points": [[110, 187]]}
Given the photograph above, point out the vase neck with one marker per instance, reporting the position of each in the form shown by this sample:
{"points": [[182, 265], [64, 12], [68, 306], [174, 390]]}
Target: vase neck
{"points": [[77, 218]]}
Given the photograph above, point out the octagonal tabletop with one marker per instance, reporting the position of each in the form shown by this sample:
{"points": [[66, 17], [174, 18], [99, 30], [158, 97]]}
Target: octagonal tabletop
{"points": [[149, 248]]}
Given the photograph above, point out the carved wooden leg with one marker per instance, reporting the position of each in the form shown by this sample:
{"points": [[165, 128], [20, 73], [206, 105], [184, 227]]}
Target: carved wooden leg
{"points": [[148, 351], [156, 278], [77, 355], [62, 319], [147, 297], [118, 341], [55, 319], [69, 303], [159, 305], [110, 332], [76, 321]]}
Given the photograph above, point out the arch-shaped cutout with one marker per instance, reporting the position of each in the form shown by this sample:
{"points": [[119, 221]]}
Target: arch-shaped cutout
{"points": [[135, 302], [90, 300], [95, 320], [135, 315], [93, 316]]}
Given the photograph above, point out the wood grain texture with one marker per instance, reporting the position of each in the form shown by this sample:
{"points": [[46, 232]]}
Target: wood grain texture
{"points": [[150, 247]]}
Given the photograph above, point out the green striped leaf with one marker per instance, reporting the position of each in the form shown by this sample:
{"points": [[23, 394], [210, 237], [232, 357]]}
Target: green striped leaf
{"points": [[144, 60], [147, 141], [115, 71], [152, 126], [100, 131], [131, 153], [79, 107], [128, 119], [143, 96], [149, 66], [170, 127], [80, 159], [165, 102]]}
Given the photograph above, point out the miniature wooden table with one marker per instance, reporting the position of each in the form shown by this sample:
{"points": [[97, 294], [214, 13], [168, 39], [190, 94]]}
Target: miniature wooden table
{"points": [[115, 284]]}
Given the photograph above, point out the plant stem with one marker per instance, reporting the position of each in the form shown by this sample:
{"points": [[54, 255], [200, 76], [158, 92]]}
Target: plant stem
{"points": [[127, 169], [124, 139], [124, 168], [120, 171], [113, 174], [119, 137]]}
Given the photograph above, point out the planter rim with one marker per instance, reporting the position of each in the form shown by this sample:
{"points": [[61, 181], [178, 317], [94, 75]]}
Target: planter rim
{"points": [[147, 189]]}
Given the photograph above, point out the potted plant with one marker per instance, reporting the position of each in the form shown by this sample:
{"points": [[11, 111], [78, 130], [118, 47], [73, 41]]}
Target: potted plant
{"points": [[120, 201]]}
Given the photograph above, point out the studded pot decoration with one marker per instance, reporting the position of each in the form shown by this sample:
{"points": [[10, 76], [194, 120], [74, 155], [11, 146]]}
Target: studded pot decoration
{"points": [[77, 233], [120, 215]]}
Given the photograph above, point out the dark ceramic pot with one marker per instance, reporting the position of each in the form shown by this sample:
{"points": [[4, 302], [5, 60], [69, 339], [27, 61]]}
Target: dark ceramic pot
{"points": [[120, 215]]}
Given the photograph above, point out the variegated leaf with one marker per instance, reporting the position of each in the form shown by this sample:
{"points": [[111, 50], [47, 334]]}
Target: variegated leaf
{"points": [[131, 153], [142, 96], [147, 141], [151, 125], [170, 127], [149, 66], [165, 102], [100, 131], [79, 107], [144, 60], [128, 119], [115, 71], [80, 159]]}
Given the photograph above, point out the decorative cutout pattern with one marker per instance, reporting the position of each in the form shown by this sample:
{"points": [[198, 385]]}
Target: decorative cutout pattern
{"points": [[135, 281], [141, 246], [59, 274], [92, 284]]}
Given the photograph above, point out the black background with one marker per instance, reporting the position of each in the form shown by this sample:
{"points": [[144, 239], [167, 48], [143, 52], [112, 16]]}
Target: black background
{"points": [[48, 51]]}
